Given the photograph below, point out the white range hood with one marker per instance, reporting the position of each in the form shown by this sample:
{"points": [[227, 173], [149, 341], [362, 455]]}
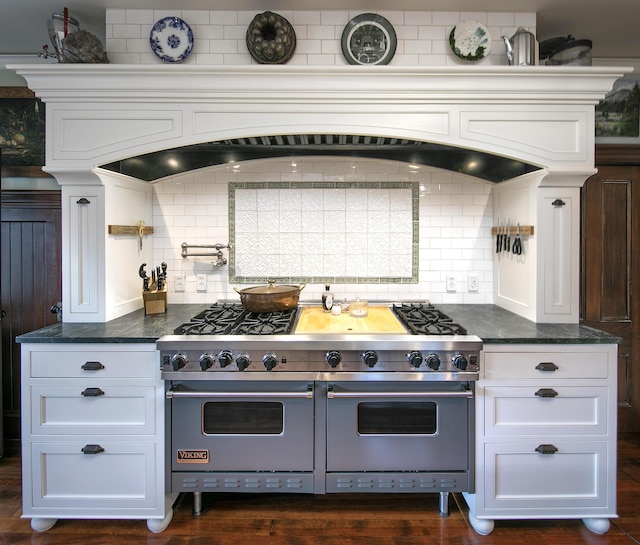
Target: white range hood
{"points": [[98, 114]]}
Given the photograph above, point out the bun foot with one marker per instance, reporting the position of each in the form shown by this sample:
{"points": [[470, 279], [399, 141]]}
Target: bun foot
{"points": [[482, 526], [159, 525], [42, 524], [597, 526]]}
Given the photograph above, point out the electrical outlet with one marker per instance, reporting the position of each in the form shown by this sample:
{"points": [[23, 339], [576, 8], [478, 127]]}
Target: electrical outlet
{"points": [[201, 282], [179, 281], [452, 283], [472, 282]]}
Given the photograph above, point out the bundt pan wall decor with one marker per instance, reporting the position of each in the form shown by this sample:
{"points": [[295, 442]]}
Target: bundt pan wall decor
{"points": [[271, 38]]}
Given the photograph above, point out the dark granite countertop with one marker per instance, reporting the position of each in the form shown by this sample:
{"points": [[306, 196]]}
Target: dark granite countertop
{"points": [[494, 325], [491, 323], [135, 327]]}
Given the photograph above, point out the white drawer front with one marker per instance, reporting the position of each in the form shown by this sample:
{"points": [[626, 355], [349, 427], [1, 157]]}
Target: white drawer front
{"points": [[518, 410], [79, 364], [122, 476], [518, 477], [531, 365], [119, 410]]}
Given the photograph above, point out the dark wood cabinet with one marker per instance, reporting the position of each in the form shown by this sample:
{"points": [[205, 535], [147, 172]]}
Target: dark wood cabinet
{"points": [[610, 266], [30, 269]]}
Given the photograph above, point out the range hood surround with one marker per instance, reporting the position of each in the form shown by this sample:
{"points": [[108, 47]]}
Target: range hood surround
{"points": [[99, 114]]}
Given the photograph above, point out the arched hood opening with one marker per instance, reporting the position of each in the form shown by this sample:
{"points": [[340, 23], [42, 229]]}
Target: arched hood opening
{"points": [[160, 164]]}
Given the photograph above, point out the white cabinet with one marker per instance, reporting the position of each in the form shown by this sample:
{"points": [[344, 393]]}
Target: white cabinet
{"points": [[545, 435], [558, 255], [93, 433]]}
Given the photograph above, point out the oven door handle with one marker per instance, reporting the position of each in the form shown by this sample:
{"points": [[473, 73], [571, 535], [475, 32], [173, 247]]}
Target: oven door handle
{"points": [[331, 394], [171, 393]]}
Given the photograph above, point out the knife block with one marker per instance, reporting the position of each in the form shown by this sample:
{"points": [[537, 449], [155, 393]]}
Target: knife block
{"points": [[155, 302]]}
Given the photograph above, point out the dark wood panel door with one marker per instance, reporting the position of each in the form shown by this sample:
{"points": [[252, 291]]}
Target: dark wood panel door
{"points": [[30, 271], [611, 270]]}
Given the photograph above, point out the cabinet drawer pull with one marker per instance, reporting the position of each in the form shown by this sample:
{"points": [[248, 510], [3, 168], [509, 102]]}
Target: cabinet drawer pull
{"points": [[92, 366], [92, 392], [546, 392], [92, 449], [546, 449], [547, 366]]}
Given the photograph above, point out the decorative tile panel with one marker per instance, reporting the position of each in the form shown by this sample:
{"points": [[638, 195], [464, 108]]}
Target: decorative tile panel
{"points": [[353, 231]]}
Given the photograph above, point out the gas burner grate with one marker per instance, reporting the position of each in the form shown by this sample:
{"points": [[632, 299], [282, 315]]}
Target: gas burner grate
{"points": [[266, 323], [425, 319], [233, 319]]}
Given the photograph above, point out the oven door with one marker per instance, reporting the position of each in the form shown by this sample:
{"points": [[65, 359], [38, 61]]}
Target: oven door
{"points": [[391, 426], [241, 426]]}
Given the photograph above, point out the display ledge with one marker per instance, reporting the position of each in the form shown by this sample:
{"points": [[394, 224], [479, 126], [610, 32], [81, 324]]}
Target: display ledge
{"points": [[492, 324]]}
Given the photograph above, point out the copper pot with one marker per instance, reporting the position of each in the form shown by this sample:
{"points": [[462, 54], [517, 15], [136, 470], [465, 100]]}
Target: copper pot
{"points": [[271, 297]]}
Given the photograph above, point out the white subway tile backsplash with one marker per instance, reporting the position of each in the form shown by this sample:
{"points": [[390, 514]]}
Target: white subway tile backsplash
{"points": [[446, 18], [377, 239], [161, 13], [501, 19], [140, 17], [115, 16], [125, 31], [224, 17]]}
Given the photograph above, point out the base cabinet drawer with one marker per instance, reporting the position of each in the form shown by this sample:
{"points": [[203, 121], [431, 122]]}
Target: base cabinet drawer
{"points": [[119, 475], [88, 410], [546, 365], [549, 410], [574, 475], [91, 363]]}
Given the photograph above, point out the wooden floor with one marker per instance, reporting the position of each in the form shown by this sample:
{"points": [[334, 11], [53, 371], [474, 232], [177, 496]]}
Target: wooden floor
{"points": [[333, 519]]}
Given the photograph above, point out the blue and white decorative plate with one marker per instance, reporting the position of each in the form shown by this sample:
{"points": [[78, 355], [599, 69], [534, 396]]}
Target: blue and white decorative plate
{"points": [[171, 39]]}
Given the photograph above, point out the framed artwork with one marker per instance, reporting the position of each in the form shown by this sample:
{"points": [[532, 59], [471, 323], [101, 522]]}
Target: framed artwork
{"points": [[618, 115], [22, 133]]}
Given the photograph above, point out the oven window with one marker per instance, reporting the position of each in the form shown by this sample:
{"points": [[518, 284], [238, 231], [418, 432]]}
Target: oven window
{"points": [[397, 418], [242, 418]]}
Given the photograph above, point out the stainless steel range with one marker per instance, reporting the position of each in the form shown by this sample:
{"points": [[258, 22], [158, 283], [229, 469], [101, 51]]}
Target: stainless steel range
{"points": [[266, 403]]}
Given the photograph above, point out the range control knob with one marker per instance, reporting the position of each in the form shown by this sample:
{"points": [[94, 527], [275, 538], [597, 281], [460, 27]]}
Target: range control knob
{"points": [[270, 360], [433, 361], [206, 361], [460, 362], [333, 358], [243, 361], [415, 358], [370, 358], [225, 358], [178, 361]]}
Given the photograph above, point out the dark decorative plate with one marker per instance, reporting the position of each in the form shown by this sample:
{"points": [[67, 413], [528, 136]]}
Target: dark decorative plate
{"points": [[369, 39]]}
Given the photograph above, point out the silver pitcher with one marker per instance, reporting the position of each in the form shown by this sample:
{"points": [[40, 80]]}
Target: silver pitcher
{"points": [[521, 48]]}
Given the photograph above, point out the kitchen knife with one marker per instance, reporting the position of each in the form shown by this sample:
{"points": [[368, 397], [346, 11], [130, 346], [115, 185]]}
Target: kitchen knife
{"points": [[145, 279]]}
